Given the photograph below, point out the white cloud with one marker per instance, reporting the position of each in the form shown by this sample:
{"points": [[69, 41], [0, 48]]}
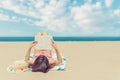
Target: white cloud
{"points": [[36, 9], [53, 16], [4, 17], [117, 12], [88, 1], [86, 19], [62, 25], [98, 5], [92, 20], [108, 3], [19, 9], [40, 4]]}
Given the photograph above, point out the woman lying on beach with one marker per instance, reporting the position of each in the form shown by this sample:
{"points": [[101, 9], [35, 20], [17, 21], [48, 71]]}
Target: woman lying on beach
{"points": [[42, 58], [42, 61]]}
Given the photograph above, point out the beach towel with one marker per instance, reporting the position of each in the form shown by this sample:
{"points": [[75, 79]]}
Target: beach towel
{"points": [[22, 63]]}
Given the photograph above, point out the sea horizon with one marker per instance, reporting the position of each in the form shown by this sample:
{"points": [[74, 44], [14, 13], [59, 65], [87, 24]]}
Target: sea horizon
{"points": [[60, 38]]}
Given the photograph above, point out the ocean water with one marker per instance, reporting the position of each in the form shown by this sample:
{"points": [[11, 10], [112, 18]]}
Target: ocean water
{"points": [[62, 39]]}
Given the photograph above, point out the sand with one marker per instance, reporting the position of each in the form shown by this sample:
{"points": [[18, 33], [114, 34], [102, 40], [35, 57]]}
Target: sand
{"points": [[85, 61]]}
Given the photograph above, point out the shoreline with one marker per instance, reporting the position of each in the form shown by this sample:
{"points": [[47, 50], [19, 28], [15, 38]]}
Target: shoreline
{"points": [[61, 41]]}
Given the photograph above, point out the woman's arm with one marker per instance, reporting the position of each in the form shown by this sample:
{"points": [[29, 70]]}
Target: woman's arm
{"points": [[27, 57], [59, 57]]}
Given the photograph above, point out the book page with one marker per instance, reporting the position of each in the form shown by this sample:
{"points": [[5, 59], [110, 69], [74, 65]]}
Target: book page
{"points": [[44, 42]]}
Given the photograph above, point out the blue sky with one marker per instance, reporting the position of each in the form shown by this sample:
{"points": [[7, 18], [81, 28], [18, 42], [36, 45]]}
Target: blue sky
{"points": [[60, 17]]}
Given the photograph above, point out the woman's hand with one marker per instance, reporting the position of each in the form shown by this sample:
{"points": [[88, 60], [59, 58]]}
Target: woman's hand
{"points": [[52, 41], [33, 44], [54, 45]]}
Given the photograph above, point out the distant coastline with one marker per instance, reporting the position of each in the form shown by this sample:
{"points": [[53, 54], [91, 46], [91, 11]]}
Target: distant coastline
{"points": [[62, 39]]}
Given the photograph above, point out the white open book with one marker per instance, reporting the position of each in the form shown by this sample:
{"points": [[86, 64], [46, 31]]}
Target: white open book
{"points": [[44, 42]]}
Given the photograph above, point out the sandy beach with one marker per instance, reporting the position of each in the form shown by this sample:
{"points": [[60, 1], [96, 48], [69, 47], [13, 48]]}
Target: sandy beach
{"points": [[85, 61]]}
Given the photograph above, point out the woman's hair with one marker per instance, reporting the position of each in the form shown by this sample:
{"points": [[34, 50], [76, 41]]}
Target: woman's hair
{"points": [[41, 64]]}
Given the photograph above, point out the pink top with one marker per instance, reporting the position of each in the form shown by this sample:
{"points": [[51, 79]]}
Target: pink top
{"points": [[42, 52]]}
